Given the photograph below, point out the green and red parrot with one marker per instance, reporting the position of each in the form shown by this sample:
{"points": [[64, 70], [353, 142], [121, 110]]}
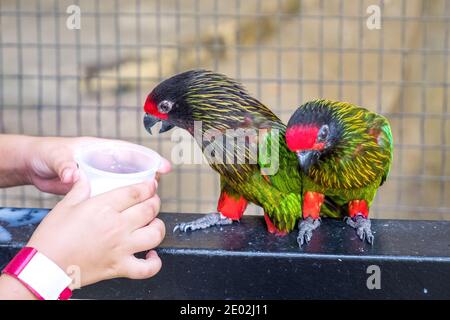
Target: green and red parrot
{"points": [[222, 104], [345, 153]]}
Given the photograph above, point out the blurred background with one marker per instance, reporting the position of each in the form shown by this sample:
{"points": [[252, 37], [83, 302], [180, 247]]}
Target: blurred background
{"points": [[93, 81]]}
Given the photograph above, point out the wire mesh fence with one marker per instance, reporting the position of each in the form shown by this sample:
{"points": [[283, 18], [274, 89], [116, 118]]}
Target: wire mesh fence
{"points": [[64, 81]]}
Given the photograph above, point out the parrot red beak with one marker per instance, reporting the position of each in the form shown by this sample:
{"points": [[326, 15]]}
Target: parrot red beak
{"points": [[150, 121]]}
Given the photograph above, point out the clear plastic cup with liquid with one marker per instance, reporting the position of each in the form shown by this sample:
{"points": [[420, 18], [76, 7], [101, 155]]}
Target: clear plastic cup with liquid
{"points": [[111, 165]]}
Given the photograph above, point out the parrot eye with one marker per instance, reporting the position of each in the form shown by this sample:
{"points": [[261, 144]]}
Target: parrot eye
{"points": [[165, 106], [323, 133]]}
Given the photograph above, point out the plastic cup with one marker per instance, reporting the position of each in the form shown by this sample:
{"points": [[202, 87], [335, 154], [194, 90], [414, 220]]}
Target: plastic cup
{"points": [[113, 165]]}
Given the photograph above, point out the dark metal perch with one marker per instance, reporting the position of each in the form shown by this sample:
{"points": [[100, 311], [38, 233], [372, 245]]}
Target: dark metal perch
{"points": [[243, 261]]}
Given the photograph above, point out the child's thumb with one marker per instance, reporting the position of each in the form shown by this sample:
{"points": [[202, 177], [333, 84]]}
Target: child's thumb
{"points": [[80, 191]]}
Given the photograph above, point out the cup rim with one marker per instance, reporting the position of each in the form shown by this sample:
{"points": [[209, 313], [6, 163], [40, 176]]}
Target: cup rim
{"points": [[125, 145]]}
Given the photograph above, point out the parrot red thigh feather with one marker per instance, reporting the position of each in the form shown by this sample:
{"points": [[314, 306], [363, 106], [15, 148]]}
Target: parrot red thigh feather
{"points": [[231, 207], [312, 202], [356, 207], [271, 227]]}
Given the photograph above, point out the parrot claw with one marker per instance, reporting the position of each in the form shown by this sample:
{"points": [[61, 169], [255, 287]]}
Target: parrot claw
{"points": [[306, 227], [362, 226], [209, 220]]}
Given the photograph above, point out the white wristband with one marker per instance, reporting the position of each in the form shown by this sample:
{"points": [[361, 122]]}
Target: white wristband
{"points": [[40, 274]]}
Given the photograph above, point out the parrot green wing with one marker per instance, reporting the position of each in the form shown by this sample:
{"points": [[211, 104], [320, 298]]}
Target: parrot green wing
{"points": [[385, 140], [379, 129], [269, 178], [288, 179], [276, 187]]}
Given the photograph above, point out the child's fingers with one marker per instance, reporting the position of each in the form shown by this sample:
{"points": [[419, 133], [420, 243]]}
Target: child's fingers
{"points": [[61, 161], [165, 166], [142, 214], [76, 175], [79, 192], [136, 268], [123, 198], [52, 185], [148, 237], [66, 171]]}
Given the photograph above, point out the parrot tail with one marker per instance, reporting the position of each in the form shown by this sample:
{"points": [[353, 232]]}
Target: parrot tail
{"points": [[331, 209]]}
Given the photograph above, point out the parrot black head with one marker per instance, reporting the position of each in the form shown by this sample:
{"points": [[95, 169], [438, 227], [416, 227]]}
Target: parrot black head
{"points": [[200, 95], [313, 132], [166, 103]]}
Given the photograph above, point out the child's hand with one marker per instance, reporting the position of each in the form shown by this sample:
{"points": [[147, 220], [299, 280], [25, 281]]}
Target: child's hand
{"points": [[100, 235], [50, 163]]}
